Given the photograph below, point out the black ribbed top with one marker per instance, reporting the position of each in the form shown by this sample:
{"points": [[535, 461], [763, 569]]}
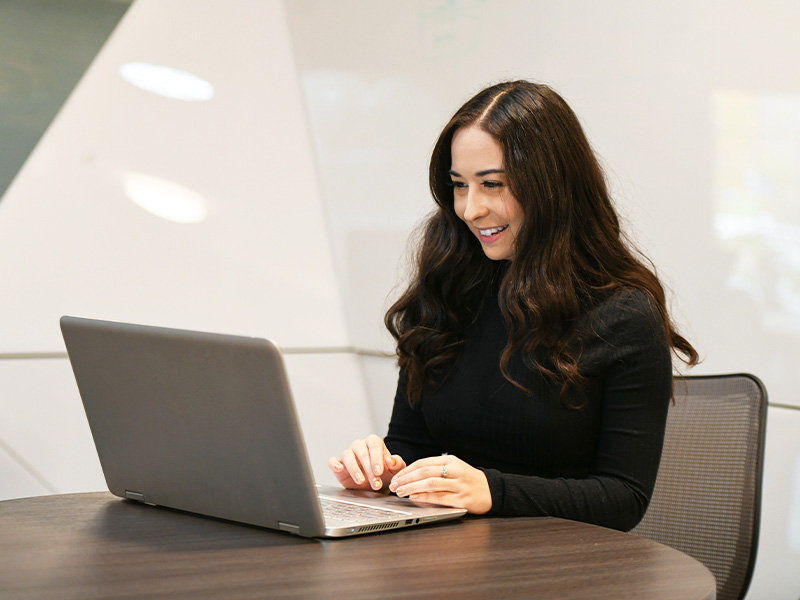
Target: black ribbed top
{"points": [[596, 464]]}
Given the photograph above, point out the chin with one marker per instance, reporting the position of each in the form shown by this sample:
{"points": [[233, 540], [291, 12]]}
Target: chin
{"points": [[497, 255]]}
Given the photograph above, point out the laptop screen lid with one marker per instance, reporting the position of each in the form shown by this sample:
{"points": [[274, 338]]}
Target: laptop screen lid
{"points": [[206, 423], [195, 421]]}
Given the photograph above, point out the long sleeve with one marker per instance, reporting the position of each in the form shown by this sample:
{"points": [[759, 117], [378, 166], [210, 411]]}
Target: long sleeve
{"points": [[408, 433], [636, 374], [593, 460]]}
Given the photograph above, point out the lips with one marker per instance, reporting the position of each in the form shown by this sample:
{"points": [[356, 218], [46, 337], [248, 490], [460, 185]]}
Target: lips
{"points": [[491, 231]]}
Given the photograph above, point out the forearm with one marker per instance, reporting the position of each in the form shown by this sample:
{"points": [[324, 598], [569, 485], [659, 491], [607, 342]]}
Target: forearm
{"points": [[601, 500]]}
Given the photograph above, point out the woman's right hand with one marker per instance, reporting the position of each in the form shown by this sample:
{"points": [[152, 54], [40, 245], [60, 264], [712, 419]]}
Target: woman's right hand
{"points": [[366, 465]]}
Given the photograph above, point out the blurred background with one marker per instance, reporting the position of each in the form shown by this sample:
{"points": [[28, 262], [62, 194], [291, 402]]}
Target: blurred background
{"points": [[258, 167]]}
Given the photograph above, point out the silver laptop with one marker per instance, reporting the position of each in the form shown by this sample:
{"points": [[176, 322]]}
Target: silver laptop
{"points": [[206, 423]]}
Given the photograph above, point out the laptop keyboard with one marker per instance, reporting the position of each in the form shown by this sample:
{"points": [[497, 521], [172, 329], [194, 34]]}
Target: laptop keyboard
{"points": [[358, 513]]}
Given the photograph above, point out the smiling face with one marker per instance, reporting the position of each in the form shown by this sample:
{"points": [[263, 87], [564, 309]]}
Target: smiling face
{"points": [[481, 197]]}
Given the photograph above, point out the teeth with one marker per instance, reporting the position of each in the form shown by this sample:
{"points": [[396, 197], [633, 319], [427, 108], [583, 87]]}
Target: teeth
{"points": [[491, 231]]}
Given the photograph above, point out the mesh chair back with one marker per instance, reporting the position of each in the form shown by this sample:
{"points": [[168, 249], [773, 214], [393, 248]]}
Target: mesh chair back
{"points": [[706, 501]]}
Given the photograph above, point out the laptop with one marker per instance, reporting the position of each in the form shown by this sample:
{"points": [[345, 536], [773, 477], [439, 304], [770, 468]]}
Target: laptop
{"points": [[206, 423]]}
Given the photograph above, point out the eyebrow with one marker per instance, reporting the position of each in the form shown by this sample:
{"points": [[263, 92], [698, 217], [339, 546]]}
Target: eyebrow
{"points": [[479, 173]]}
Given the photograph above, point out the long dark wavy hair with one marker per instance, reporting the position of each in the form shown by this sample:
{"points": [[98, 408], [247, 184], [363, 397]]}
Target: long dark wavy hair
{"points": [[569, 254]]}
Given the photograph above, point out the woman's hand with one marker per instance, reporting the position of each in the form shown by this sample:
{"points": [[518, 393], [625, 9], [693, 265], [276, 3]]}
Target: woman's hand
{"points": [[444, 480], [366, 465]]}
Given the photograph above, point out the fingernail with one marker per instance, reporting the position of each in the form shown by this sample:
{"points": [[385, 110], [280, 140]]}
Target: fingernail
{"points": [[400, 491], [392, 486], [359, 478], [377, 469], [337, 466], [376, 483]]}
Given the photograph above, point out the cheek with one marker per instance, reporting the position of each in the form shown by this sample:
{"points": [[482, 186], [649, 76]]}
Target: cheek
{"points": [[459, 208], [513, 212]]}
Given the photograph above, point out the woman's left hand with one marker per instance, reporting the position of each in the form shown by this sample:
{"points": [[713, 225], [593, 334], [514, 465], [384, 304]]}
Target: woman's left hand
{"points": [[445, 480]]}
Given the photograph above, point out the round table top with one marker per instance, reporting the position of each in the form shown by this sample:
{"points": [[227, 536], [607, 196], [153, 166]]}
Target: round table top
{"points": [[98, 546]]}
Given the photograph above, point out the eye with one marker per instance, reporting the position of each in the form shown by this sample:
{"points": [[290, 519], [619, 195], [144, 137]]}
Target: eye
{"points": [[492, 184], [457, 185]]}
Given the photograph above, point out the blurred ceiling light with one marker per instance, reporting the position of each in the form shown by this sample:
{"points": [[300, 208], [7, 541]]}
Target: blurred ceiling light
{"points": [[167, 81], [165, 199]]}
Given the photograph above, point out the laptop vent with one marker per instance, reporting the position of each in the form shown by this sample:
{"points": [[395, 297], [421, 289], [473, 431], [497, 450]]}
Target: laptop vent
{"points": [[380, 527]]}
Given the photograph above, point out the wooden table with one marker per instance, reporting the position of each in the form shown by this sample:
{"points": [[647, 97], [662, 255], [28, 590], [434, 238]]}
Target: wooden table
{"points": [[98, 546]]}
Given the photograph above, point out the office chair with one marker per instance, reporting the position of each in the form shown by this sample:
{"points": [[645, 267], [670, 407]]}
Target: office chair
{"points": [[706, 501]]}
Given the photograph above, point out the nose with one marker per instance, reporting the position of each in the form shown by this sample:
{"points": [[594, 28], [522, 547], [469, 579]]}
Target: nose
{"points": [[475, 206]]}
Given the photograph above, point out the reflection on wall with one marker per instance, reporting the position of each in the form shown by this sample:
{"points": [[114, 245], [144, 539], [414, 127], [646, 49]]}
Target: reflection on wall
{"points": [[176, 186], [165, 199], [45, 47], [375, 192], [756, 192], [166, 81]]}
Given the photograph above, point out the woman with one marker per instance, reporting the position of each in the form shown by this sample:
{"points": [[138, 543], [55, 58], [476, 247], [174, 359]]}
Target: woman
{"points": [[533, 342]]}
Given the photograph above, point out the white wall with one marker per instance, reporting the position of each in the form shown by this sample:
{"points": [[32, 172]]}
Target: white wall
{"points": [[694, 108], [74, 241], [242, 156], [311, 161]]}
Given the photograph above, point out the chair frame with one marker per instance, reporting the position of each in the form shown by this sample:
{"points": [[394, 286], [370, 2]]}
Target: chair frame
{"points": [[760, 437]]}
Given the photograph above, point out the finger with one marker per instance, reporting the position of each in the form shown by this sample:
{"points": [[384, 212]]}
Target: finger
{"points": [[404, 475], [377, 450], [361, 451], [363, 471], [394, 463], [424, 462], [351, 464], [429, 472], [422, 470], [441, 498], [335, 465], [425, 485], [341, 473], [369, 452]]}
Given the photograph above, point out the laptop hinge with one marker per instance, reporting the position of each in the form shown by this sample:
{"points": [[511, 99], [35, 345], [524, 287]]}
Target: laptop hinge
{"points": [[289, 527], [134, 496]]}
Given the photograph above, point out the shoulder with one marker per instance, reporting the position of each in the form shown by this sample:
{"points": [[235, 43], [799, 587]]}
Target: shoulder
{"points": [[625, 304], [624, 335], [627, 316]]}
